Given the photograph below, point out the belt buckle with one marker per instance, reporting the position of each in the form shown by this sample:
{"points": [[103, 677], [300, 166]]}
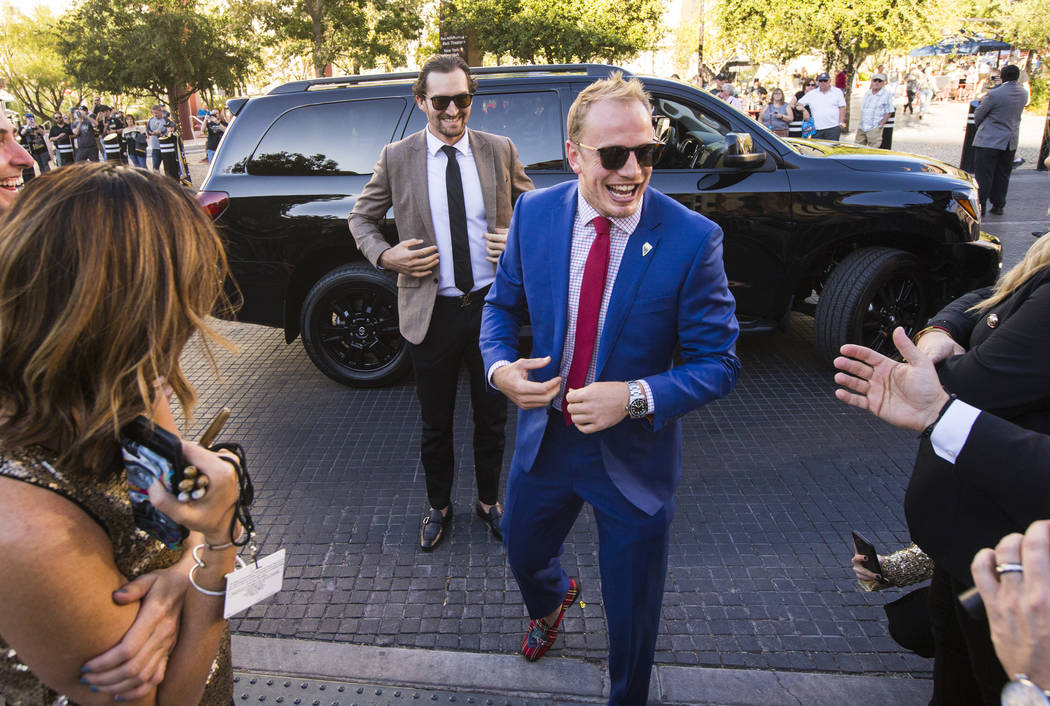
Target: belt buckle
{"points": [[464, 300]]}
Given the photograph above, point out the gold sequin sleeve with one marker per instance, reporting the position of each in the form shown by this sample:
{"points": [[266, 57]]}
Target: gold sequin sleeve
{"points": [[901, 568]]}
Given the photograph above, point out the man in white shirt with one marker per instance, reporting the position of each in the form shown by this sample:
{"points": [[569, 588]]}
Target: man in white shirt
{"points": [[452, 190], [875, 111], [827, 105]]}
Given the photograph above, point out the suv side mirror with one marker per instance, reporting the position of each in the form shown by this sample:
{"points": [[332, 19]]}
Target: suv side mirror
{"points": [[740, 151]]}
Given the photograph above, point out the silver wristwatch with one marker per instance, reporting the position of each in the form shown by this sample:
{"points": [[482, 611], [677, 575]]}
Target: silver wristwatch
{"points": [[637, 405], [1022, 691]]}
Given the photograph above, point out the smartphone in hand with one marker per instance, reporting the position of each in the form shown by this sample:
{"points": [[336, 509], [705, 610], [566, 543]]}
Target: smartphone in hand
{"points": [[871, 563], [151, 452]]}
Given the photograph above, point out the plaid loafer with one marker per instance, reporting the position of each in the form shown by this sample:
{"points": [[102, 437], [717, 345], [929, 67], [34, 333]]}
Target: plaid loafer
{"points": [[540, 635]]}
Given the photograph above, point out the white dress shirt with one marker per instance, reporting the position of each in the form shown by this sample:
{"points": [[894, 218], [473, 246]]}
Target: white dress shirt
{"points": [[477, 224], [951, 431]]}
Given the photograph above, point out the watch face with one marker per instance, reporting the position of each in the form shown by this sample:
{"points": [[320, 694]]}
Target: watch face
{"points": [[1023, 693], [638, 407]]}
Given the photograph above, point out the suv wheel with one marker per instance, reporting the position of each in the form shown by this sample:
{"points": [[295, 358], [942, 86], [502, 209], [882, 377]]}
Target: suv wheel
{"points": [[350, 329], [869, 294]]}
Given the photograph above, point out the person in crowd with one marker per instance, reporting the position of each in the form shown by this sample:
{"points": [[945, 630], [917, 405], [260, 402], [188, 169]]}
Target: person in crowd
{"points": [[460, 185], [135, 142], [911, 88], [113, 136], [756, 95], [925, 91], [85, 130], [876, 109], [215, 125], [98, 108], [988, 346], [728, 93], [81, 322], [61, 136], [799, 112], [827, 105], [777, 115], [14, 159], [604, 258], [156, 127], [841, 80], [1014, 582], [37, 143], [998, 120]]}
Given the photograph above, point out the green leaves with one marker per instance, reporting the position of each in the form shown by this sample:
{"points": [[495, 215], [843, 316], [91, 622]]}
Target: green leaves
{"points": [[164, 46], [559, 31]]}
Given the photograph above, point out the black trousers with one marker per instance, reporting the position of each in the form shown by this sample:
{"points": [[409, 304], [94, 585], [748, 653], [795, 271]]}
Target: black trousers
{"points": [[828, 133], [966, 671], [451, 342], [992, 169]]}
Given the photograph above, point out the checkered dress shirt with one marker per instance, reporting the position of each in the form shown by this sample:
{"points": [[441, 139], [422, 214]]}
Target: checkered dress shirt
{"points": [[874, 108], [583, 236]]}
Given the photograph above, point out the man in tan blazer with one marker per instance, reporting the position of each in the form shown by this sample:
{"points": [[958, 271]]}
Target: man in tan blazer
{"points": [[453, 192]]}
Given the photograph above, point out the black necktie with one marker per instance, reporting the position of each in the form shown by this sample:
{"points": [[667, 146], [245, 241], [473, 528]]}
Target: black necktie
{"points": [[457, 221]]}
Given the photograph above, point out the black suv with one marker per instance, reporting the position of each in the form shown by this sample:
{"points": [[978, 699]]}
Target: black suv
{"points": [[862, 239]]}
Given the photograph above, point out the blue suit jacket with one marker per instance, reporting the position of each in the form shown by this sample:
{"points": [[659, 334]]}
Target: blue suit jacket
{"points": [[677, 293]]}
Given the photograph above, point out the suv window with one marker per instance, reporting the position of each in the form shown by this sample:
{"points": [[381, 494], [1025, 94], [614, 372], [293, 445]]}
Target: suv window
{"points": [[532, 120], [695, 139], [327, 138]]}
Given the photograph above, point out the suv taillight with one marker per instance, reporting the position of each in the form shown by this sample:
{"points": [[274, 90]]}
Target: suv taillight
{"points": [[214, 202]]}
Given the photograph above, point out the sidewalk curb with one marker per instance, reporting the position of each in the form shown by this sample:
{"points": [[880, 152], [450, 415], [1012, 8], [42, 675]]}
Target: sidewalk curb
{"points": [[561, 678]]}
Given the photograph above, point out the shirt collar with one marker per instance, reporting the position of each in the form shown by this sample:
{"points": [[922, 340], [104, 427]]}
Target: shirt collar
{"points": [[625, 225], [434, 145]]}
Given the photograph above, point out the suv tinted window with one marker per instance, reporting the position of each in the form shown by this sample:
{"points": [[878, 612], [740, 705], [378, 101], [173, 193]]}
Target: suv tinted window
{"points": [[532, 120], [328, 138], [696, 139]]}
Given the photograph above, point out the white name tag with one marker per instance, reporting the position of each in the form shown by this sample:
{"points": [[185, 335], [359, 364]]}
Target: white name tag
{"points": [[248, 585]]}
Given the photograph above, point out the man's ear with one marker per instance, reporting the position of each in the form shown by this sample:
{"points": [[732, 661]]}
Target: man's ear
{"points": [[573, 153], [421, 103]]}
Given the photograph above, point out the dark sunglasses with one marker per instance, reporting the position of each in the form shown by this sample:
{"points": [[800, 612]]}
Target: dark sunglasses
{"points": [[811, 85], [615, 156], [462, 100], [877, 79], [823, 80]]}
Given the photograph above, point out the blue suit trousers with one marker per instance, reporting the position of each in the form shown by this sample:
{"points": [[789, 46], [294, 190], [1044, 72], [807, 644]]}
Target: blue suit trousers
{"points": [[542, 504]]}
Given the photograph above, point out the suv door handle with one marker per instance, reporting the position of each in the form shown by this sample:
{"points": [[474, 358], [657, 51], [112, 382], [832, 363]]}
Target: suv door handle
{"points": [[707, 181]]}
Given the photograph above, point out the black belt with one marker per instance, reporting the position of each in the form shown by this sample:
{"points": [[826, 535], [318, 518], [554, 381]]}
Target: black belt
{"points": [[469, 298]]}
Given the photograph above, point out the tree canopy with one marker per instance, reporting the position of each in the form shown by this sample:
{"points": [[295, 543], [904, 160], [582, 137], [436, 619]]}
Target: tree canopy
{"points": [[559, 31], [30, 62], [349, 34], [174, 48]]}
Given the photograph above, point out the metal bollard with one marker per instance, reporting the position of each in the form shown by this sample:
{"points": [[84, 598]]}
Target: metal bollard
{"points": [[1044, 149], [966, 160], [887, 132]]}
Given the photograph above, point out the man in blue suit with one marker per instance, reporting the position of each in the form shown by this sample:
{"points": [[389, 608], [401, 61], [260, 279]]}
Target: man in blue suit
{"points": [[612, 277]]}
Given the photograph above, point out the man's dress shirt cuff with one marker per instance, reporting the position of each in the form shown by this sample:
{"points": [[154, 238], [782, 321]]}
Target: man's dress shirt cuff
{"points": [[648, 397], [493, 368], [951, 432]]}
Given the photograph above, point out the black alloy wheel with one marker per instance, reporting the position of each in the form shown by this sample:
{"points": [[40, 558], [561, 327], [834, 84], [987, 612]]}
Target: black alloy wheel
{"points": [[350, 327], [870, 293]]}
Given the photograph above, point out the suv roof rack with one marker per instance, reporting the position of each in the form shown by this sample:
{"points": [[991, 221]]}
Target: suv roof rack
{"points": [[328, 82]]}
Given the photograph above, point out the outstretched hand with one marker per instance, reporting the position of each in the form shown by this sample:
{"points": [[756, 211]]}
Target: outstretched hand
{"points": [[907, 395]]}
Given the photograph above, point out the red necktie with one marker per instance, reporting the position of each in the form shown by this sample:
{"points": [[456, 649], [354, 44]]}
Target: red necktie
{"points": [[591, 290]]}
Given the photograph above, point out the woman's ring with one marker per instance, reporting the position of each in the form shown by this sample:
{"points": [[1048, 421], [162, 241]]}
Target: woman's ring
{"points": [[1008, 568]]}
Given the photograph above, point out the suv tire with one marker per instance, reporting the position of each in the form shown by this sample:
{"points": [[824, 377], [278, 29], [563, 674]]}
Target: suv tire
{"points": [[870, 293], [350, 327]]}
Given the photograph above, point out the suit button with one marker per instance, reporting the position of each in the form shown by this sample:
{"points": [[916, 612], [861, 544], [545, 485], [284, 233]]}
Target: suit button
{"points": [[435, 280], [993, 320]]}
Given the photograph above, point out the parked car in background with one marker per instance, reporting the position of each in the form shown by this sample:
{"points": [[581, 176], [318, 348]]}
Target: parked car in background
{"points": [[864, 240]]}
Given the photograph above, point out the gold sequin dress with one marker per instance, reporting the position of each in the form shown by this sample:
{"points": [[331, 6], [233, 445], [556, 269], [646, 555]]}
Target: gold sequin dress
{"points": [[134, 552]]}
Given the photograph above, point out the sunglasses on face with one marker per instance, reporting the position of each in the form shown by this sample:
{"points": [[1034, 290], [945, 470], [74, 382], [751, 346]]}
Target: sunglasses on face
{"points": [[877, 79], [824, 80], [615, 156], [811, 85], [462, 100]]}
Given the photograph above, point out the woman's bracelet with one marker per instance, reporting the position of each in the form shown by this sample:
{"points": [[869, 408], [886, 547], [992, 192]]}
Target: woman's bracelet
{"points": [[927, 330], [237, 542], [199, 563]]}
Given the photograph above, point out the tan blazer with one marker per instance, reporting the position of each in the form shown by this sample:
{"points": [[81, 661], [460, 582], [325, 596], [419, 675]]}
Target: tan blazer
{"points": [[400, 180]]}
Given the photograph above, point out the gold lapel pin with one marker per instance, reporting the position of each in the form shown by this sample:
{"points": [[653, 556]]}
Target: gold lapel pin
{"points": [[646, 247]]}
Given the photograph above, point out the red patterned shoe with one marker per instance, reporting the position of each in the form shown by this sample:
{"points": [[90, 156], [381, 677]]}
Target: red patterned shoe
{"points": [[541, 636]]}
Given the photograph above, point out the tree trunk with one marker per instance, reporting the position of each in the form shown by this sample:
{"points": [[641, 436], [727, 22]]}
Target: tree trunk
{"points": [[316, 11]]}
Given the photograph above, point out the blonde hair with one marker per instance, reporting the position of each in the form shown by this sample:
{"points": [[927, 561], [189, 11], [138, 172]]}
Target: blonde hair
{"points": [[613, 88], [105, 273], [1037, 258]]}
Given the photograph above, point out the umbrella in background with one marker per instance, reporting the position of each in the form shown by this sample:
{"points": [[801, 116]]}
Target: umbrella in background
{"points": [[961, 44]]}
